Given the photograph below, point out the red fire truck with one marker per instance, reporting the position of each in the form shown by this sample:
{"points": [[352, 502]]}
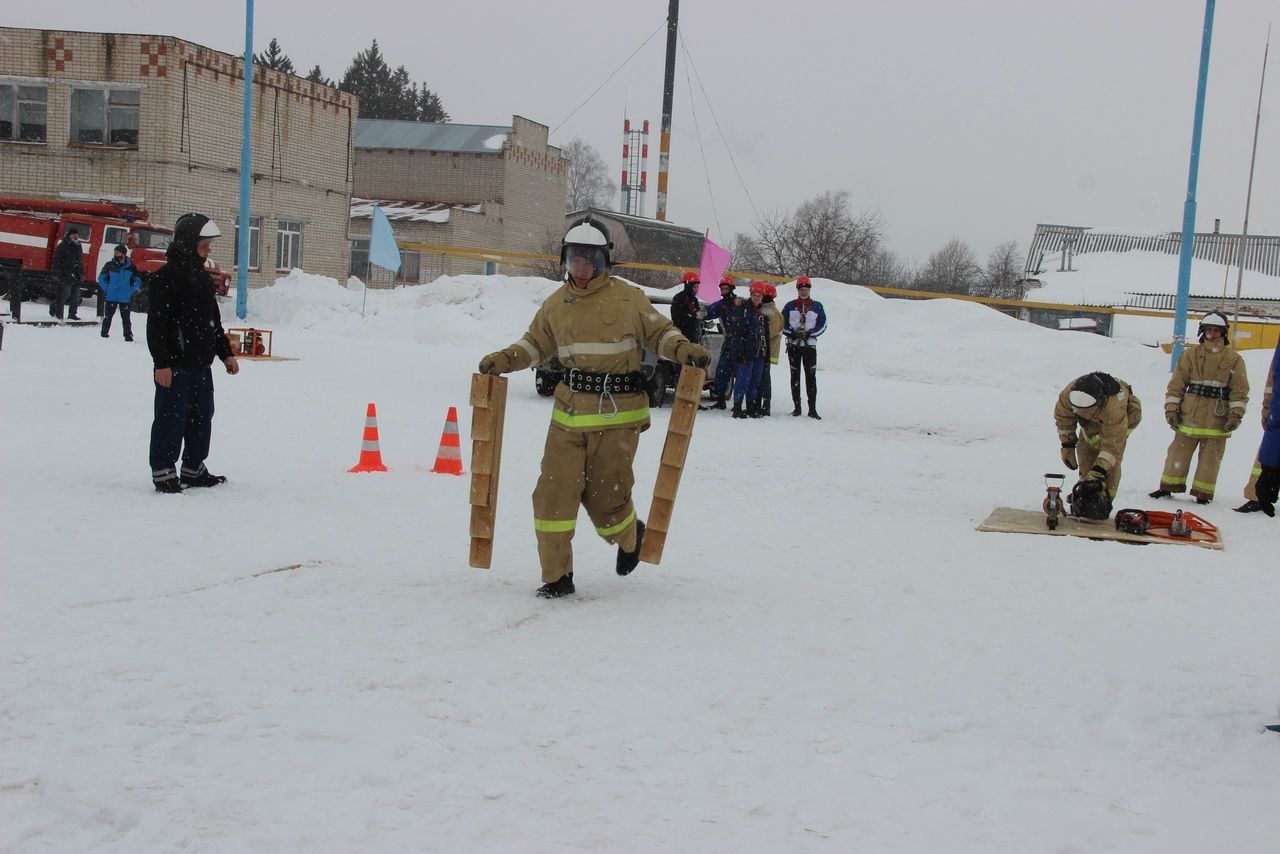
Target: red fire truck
{"points": [[30, 229]]}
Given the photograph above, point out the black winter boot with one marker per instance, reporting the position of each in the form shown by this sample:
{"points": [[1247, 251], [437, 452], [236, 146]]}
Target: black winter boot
{"points": [[204, 478], [719, 404], [737, 411], [168, 487], [753, 409], [796, 413], [813, 413], [764, 408], [1248, 507], [1159, 493], [627, 561], [562, 586]]}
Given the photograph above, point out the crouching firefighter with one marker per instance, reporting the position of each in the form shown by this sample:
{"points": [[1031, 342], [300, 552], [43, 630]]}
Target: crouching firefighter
{"points": [[1095, 414], [597, 326]]}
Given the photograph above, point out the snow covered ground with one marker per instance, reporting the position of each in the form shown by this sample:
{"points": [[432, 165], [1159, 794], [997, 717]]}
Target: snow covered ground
{"points": [[829, 658]]}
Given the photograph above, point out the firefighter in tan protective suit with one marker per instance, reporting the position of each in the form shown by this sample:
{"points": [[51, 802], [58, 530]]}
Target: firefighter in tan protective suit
{"points": [[597, 326], [1204, 404], [1252, 504], [1106, 411]]}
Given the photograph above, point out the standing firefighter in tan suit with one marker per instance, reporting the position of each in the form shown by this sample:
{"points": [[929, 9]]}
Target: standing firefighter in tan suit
{"points": [[1204, 403], [1252, 504], [1106, 411], [597, 325]]}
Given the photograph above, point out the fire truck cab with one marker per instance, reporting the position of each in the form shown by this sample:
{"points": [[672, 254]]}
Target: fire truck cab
{"points": [[31, 228]]}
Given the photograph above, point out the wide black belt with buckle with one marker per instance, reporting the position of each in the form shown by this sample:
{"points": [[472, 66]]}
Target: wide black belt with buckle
{"points": [[600, 383], [1215, 391]]}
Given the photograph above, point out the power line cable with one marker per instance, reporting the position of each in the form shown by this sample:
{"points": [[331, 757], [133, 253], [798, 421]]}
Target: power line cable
{"points": [[716, 119], [698, 131], [660, 28]]}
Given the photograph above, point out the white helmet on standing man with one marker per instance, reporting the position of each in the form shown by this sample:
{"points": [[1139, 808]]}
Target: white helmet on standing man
{"points": [[587, 238]]}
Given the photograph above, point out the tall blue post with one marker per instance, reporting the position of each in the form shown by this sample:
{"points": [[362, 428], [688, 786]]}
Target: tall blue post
{"points": [[1189, 209], [246, 164]]}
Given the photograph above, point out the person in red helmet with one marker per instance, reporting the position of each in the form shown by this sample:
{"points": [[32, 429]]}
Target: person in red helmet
{"points": [[773, 319], [686, 310], [803, 320], [725, 368], [746, 344]]}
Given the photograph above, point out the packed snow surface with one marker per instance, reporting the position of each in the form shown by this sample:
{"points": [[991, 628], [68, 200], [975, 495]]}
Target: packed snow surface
{"points": [[829, 657]]}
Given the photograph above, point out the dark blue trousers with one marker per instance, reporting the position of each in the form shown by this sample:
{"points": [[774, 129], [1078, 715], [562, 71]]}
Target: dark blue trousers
{"points": [[183, 423]]}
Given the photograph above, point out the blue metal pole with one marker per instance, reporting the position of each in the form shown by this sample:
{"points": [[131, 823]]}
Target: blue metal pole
{"points": [[1189, 209], [242, 235]]}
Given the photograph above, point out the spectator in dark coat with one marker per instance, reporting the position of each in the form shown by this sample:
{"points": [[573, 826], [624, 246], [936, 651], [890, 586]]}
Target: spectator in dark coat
{"points": [[726, 367], [184, 334], [119, 281], [686, 311], [68, 266]]}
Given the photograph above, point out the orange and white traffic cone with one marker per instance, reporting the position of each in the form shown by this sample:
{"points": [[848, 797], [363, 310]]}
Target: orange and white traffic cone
{"points": [[449, 457], [370, 456]]}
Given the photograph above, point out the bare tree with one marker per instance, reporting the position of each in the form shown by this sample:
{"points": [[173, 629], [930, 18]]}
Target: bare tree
{"points": [[589, 182], [551, 244], [822, 238], [953, 269], [885, 269], [1002, 276]]}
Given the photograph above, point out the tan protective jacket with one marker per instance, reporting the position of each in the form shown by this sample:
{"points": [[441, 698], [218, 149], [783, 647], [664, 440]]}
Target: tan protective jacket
{"points": [[1106, 431], [601, 329], [775, 331], [1212, 366]]}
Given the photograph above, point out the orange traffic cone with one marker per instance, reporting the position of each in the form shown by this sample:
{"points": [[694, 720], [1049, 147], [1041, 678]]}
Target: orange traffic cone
{"points": [[370, 456], [449, 457]]}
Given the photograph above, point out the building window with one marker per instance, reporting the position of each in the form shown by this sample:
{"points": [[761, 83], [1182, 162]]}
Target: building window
{"points": [[23, 112], [409, 272], [101, 116], [289, 245], [255, 229], [409, 264]]}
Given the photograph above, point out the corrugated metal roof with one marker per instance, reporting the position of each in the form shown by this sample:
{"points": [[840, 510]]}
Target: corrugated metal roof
{"points": [[430, 136], [409, 211]]}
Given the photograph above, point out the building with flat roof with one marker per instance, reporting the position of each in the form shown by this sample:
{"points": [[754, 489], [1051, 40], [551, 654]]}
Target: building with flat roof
{"points": [[494, 187], [158, 119]]}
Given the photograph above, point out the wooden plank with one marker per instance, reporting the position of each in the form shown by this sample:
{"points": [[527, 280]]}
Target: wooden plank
{"points": [[1009, 520], [488, 413], [684, 410]]}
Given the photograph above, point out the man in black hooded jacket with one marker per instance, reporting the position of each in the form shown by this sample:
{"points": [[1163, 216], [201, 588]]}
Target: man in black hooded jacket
{"points": [[184, 334]]}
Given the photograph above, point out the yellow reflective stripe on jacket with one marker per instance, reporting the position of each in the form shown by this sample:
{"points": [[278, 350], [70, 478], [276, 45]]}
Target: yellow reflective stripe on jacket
{"points": [[626, 416], [597, 348], [1203, 432], [621, 526], [554, 526], [1091, 441]]}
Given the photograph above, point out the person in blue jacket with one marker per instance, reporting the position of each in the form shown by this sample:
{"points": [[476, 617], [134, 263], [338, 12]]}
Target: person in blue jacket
{"points": [[803, 320], [746, 346], [1268, 484], [725, 367], [119, 281]]}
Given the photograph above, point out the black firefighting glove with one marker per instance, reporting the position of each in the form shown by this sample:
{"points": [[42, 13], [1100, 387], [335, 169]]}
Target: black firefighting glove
{"points": [[1090, 485], [495, 363], [1172, 417], [1069, 457], [688, 353], [1266, 488]]}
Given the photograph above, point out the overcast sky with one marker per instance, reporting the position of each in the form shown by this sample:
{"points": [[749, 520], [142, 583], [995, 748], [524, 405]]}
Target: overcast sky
{"points": [[972, 120]]}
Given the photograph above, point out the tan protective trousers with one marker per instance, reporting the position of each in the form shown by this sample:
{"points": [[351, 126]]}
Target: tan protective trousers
{"points": [[591, 469], [1178, 462], [1087, 455], [1251, 488]]}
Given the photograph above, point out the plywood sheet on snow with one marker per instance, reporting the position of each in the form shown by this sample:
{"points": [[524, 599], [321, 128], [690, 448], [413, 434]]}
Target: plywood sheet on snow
{"points": [[1009, 520]]}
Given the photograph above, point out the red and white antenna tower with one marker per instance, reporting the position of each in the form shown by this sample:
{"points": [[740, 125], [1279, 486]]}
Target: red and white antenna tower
{"points": [[635, 167]]}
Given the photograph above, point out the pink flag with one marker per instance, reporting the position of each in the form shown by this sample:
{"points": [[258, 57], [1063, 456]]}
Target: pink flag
{"points": [[714, 262]]}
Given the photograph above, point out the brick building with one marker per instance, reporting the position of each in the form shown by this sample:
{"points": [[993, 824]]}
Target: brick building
{"points": [[484, 186], [159, 118]]}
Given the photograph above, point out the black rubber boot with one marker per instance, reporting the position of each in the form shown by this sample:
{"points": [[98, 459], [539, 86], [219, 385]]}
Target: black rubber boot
{"points": [[813, 413], [562, 586], [737, 411], [1159, 493], [1204, 500], [168, 487], [719, 404], [796, 413], [1248, 507], [627, 561], [753, 410]]}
